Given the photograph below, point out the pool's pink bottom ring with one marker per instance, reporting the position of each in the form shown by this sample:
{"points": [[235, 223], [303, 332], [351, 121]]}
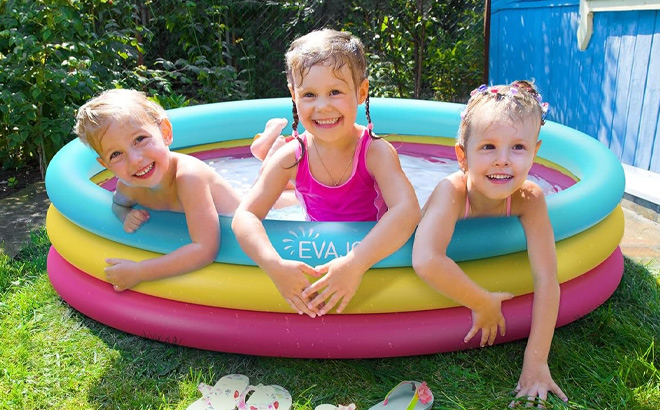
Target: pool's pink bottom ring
{"points": [[331, 336]]}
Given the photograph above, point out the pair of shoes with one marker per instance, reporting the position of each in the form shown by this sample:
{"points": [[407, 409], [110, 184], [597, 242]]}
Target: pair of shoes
{"points": [[333, 407], [232, 391], [407, 395]]}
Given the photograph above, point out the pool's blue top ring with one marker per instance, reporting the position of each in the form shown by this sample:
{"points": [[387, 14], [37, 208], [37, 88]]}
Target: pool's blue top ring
{"points": [[89, 206]]}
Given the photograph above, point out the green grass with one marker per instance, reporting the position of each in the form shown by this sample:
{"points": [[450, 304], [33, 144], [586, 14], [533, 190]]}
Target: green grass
{"points": [[52, 357]]}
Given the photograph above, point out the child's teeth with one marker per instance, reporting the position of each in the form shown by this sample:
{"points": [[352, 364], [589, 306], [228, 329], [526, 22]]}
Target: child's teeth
{"points": [[145, 170]]}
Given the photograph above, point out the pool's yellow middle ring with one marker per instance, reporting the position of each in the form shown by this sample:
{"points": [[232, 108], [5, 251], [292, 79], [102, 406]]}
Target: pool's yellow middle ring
{"points": [[381, 290]]}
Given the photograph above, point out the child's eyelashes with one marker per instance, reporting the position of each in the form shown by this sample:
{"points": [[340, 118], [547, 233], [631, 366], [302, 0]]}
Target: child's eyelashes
{"points": [[515, 147], [139, 139], [332, 93], [114, 155]]}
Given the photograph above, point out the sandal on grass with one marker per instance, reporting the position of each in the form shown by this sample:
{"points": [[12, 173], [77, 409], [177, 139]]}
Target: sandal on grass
{"points": [[407, 395], [333, 407], [224, 395], [262, 397]]}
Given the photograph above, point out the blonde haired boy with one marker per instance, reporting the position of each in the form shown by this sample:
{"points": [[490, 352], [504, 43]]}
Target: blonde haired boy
{"points": [[132, 135]]}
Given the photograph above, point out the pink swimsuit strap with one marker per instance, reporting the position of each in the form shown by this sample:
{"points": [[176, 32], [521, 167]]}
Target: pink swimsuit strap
{"points": [[467, 206], [356, 199]]}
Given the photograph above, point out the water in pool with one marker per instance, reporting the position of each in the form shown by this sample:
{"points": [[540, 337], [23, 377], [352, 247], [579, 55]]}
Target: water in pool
{"points": [[424, 174]]}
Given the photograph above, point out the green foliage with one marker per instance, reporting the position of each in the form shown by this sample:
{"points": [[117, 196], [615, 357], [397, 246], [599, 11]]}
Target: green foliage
{"points": [[56, 54], [43, 60], [427, 49], [190, 43]]}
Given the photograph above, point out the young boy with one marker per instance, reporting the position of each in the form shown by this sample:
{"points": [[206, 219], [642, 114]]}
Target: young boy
{"points": [[131, 135]]}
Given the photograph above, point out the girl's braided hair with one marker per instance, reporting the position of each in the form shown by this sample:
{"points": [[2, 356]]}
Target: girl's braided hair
{"points": [[333, 48]]}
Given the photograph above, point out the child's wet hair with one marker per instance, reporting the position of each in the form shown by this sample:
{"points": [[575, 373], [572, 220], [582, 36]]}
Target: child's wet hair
{"points": [[516, 102], [330, 47], [96, 115]]}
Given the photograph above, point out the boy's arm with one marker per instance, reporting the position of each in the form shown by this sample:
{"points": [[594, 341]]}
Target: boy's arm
{"points": [[432, 264], [535, 379], [122, 208], [203, 228], [389, 234], [288, 276]]}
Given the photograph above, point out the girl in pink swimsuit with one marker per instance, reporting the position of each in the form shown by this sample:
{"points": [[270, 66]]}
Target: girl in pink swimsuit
{"points": [[341, 171], [497, 143]]}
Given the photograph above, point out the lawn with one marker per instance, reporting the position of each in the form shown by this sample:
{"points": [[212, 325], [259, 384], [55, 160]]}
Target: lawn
{"points": [[52, 357]]}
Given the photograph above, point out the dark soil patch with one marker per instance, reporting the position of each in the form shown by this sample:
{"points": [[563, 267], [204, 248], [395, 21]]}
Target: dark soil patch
{"points": [[12, 180]]}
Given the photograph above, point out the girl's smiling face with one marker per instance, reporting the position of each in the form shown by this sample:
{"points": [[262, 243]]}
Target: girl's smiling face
{"points": [[498, 156], [137, 154], [327, 101]]}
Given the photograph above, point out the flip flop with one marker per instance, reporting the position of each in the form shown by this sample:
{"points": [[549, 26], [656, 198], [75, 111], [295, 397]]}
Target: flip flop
{"points": [[407, 395], [333, 407], [224, 395], [262, 397]]}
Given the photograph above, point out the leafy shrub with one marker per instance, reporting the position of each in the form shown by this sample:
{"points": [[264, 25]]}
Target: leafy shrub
{"points": [[56, 54]]}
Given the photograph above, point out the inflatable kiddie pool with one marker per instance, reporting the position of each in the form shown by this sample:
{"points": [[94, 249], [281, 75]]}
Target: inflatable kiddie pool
{"points": [[232, 306]]}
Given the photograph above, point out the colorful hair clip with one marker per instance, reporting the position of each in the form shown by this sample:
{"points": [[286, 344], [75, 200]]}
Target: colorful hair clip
{"points": [[545, 107], [481, 89]]}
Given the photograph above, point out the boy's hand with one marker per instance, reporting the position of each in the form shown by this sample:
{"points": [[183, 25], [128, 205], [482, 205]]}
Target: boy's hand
{"points": [[290, 280], [135, 218], [122, 273], [341, 281], [488, 318], [534, 384]]}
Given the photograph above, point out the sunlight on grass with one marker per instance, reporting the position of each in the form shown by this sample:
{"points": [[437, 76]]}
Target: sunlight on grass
{"points": [[52, 357]]}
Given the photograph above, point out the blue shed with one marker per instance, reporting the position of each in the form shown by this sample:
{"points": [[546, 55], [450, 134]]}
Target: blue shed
{"points": [[597, 62]]}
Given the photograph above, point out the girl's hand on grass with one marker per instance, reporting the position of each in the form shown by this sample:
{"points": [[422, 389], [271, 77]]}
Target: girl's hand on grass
{"points": [[290, 280], [488, 317], [534, 384], [134, 219], [341, 281], [122, 273]]}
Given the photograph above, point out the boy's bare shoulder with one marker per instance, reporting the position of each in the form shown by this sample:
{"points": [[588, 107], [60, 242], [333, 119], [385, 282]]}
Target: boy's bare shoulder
{"points": [[189, 166]]}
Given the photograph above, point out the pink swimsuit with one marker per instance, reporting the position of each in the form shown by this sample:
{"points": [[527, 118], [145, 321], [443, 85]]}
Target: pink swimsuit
{"points": [[467, 206], [358, 199]]}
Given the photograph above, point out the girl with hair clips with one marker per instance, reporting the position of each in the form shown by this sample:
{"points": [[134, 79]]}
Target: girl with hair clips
{"points": [[341, 172], [497, 143]]}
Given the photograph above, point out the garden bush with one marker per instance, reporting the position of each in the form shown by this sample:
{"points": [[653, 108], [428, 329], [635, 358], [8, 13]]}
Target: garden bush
{"points": [[56, 54]]}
